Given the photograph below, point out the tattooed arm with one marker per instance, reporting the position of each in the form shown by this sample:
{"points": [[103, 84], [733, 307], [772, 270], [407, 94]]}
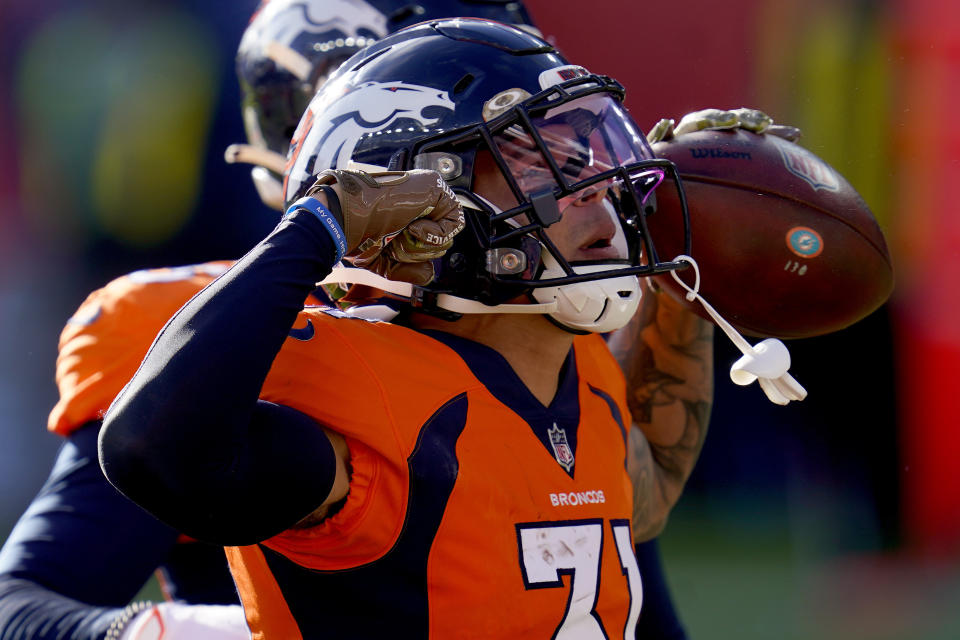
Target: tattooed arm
{"points": [[666, 354]]}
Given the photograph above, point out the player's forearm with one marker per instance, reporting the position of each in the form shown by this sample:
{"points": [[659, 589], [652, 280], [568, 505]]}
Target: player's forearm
{"points": [[187, 438], [28, 610], [81, 539], [667, 357]]}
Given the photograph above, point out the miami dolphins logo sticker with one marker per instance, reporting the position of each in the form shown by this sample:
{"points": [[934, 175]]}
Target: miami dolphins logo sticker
{"points": [[804, 242]]}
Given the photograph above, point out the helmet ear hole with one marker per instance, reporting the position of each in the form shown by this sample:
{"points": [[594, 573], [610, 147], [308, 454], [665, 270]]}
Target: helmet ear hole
{"points": [[463, 83]]}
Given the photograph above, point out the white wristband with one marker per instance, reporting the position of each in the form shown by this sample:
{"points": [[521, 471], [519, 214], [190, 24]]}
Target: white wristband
{"points": [[179, 621]]}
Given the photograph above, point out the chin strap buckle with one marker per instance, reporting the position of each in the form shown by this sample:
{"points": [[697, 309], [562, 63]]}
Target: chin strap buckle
{"points": [[767, 361]]}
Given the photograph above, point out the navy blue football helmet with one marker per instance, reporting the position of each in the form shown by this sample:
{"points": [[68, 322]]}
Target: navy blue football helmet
{"points": [[291, 46], [465, 97]]}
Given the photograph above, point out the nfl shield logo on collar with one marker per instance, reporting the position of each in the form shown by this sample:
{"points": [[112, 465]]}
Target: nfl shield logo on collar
{"points": [[561, 449]]}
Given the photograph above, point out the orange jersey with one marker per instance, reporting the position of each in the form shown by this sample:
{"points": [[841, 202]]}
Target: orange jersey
{"points": [[473, 512], [104, 341], [102, 344]]}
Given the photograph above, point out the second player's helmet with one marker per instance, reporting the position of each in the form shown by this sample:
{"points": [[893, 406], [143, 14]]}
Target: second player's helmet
{"points": [[473, 98], [291, 46]]}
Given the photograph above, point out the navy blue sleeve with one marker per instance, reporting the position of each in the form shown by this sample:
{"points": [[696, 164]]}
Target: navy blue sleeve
{"points": [[187, 438], [658, 618], [79, 553], [30, 612]]}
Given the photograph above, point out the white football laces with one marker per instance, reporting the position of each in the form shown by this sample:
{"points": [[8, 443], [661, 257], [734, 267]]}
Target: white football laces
{"points": [[767, 361]]}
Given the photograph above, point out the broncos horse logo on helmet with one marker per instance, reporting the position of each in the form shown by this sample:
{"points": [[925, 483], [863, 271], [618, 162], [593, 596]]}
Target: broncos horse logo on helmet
{"points": [[290, 48], [486, 99], [334, 130]]}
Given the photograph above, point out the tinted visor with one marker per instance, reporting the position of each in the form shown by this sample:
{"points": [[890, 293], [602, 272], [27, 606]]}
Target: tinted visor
{"points": [[583, 155], [570, 148]]}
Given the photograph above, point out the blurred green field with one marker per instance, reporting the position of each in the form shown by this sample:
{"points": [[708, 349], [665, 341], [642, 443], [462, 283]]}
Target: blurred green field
{"points": [[748, 576], [744, 574]]}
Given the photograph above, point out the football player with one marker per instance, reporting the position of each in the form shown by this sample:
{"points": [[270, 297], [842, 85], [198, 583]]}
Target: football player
{"points": [[276, 95], [81, 551], [469, 468]]}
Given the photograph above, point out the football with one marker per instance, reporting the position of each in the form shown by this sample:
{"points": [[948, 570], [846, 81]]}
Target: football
{"points": [[785, 246]]}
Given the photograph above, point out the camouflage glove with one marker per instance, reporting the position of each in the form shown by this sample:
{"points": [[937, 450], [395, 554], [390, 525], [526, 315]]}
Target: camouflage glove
{"points": [[749, 119], [393, 222]]}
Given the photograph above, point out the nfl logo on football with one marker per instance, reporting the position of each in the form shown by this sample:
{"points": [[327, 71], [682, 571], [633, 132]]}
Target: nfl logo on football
{"points": [[561, 449], [805, 165]]}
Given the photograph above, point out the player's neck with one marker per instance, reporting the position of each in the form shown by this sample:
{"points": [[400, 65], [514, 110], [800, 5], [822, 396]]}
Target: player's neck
{"points": [[533, 346]]}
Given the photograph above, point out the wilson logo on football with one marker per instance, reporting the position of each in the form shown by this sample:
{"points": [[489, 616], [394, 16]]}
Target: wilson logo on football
{"points": [[705, 152], [807, 166]]}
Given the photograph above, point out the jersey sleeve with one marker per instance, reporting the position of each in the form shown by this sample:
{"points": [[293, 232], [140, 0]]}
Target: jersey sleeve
{"points": [[349, 403], [378, 399], [102, 344]]}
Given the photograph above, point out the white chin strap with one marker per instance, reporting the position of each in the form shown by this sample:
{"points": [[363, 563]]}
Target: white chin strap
{"points": [[352, 275], [578, 306], [597, 306], [767, 361]]}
